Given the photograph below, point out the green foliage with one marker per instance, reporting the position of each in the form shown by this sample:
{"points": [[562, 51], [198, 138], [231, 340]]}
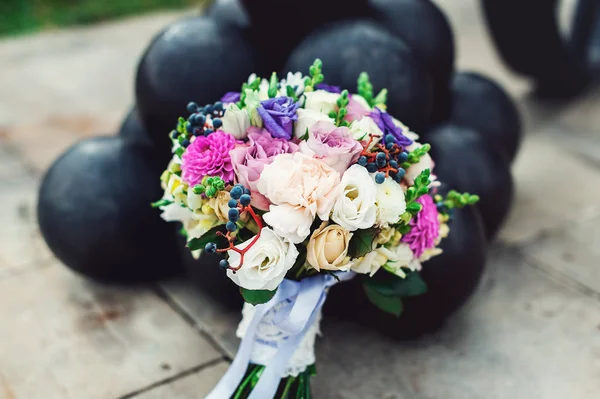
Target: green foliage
{"points": [[212, 185], [210, 236], [362, 242], [305, 136], [161, 202], [454, 199], [256, 297], [272, 92], [252, 86], [365, 90], [315, 76], [415, 155], [339, 116], [290, 92], [387, 291]]}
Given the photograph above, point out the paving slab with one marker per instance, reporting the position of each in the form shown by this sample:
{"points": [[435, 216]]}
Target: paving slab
{"points": [[572, 252], [64, 337], [194, 386]]}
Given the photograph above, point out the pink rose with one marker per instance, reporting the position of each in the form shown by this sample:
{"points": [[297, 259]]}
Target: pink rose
{"points": [[249, 160], [300, 188], [331, 144], [357, 108]]}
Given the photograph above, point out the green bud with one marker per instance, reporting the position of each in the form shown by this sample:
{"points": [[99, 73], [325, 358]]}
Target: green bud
{"points": [[211, 192], [333, 114], [199, 189]]}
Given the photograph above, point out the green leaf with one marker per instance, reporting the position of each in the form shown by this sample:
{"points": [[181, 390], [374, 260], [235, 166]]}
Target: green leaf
{"points": [[161, 202], [210, 236], [362, 242], [388, 304], [304, 137], [414, 207], [392, 285], [272, 92], [256, 297], [381, 97]]}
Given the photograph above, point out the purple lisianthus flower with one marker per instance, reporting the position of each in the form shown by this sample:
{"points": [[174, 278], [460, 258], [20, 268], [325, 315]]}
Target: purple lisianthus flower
{"points": [[231, 97], [278, 115], [384, 121], [329, 88]]}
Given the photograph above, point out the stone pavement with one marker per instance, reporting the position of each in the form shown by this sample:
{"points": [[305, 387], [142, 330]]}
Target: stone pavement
{"points": [[532, 330]]}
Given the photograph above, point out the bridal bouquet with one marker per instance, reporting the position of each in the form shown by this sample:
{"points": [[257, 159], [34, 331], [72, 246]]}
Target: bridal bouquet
{"points": [[301, 185]]}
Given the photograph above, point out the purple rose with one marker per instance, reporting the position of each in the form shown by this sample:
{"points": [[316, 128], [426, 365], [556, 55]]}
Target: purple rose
{"points": [[278, 115], [384, 121], [329, 88], [231, 97]]}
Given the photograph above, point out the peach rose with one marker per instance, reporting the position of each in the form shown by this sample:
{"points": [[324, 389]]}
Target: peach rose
{"points": [[327, 248]]}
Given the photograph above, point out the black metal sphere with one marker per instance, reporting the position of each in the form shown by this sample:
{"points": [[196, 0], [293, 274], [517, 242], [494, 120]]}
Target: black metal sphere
{"points": [[95, 215], [427, 32], [464, 159], [230, 13], [351, 47], [194, 59], [482, 105], [451, 279]]}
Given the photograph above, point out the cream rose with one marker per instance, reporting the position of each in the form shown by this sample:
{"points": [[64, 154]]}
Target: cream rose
{"points": [[265, 263], [306, 119], [299, 188], [321, 101], [354, 207], [327, 248], [390, 202], [236, 122]]}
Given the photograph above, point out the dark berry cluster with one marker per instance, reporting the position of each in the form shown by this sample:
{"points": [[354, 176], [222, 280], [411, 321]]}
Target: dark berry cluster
{"points": [[384, 160], [201, 122]]}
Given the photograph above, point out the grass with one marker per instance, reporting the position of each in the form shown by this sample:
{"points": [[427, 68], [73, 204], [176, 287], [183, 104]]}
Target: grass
{"points": [[22, 16]]}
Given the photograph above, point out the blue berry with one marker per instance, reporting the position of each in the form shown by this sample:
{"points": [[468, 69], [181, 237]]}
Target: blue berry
{"points": [[200, 119], [246, 191], [401, 172], [218, 106], [192, 107], [217, 123], [210, 248], [362, 161], [207, 131], [185, 143], [389, 139], [381, 159], [371, 167], [232, 203], [379, 178], [198, 132], [403, 156], [245, 200], [390, 146], [224, 264], [236, 192], [233, 214], [394, 164], [189, 127], [174, 134], [230, 226], [208, 109]]}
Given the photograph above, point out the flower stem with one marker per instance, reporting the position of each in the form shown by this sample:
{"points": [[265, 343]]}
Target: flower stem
{"points": [[287, 388]]}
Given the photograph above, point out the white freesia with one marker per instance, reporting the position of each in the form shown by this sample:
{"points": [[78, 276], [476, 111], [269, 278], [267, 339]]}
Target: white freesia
{"points": [[263, 90], [425, 162], [306, 119], [390, 202], [295, 81], [362, 128], [393, 259], [265, 263], [322, 101], [196, 224], [175, 189], [236, 122], [354, 207], [252, 103]]}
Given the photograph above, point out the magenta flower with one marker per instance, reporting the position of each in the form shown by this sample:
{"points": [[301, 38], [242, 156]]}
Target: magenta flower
{"points": [[424, 227], [208, 156], [249, 160]]}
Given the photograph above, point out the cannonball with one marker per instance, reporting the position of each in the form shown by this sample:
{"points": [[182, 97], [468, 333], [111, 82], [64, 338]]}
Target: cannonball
{"points": [[451, 278], [482, 105], [194, 59], [94, 213], [229, 13], [464, 159], [427, 32], [351, 47]]}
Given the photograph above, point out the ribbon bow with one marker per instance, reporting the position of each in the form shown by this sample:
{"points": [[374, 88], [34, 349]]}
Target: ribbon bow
{"points": [[307, 298]]}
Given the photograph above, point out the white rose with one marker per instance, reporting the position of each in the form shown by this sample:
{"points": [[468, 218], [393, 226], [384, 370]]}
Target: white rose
{"points": [[360, 130], [425, 162], [354, 208], [236, 122], [321, 101], [306, 119], [390, 202], [265, 263]]}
